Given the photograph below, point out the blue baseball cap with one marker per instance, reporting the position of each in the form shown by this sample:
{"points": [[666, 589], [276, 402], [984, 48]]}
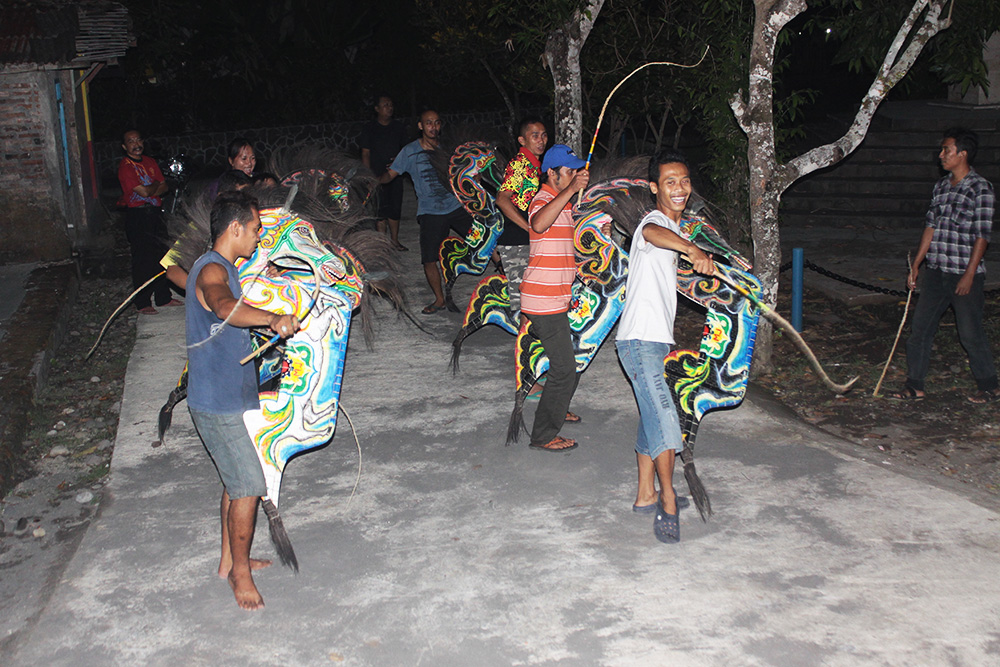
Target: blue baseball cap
{"points": [[561, 155]]}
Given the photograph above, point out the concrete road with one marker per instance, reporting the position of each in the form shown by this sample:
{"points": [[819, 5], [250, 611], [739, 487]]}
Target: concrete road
{"points": [[457, 550]]}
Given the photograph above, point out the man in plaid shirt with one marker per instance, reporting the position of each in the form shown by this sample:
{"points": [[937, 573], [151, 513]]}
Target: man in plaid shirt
{"points": [[953, 244]]}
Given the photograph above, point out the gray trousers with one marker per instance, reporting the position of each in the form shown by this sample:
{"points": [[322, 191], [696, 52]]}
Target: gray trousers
{"points": [[515, 261], [554, 333]]}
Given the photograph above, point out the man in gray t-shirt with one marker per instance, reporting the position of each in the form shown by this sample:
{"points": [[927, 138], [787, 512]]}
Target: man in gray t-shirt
{"points": [[438, 209]]}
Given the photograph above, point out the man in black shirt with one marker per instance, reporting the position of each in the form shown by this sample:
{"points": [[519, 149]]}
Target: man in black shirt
{"points": [[380, 141]]}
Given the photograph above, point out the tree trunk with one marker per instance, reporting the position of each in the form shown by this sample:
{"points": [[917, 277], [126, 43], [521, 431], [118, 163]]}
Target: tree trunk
{"points": [[503, 93], [768, 178], [562, 57]]}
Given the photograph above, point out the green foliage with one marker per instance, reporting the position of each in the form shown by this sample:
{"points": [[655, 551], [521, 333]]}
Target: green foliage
{"points": [[863, 30]]}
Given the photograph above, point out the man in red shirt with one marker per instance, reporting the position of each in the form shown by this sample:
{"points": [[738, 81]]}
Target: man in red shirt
{"points": [[142, 185], [546, 291]]}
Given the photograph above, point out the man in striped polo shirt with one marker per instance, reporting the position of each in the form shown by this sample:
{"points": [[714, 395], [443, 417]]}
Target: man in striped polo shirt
{"points": [[546, 290]]}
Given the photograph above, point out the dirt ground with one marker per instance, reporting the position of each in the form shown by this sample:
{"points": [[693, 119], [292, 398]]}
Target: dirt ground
{"points": [[943, 432]]}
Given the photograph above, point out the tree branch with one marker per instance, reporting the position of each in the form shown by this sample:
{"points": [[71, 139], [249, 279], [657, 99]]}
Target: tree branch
{"points": [[889, 75]]}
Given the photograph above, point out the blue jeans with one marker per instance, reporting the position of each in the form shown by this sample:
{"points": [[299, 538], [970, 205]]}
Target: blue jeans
{"points": [[233, 453], [659, 426], [937, 293]]}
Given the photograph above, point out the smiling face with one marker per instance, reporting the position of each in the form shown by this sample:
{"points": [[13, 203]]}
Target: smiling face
{"points": [[534, 139], [672, 189], [245, 160], [132, 144]]}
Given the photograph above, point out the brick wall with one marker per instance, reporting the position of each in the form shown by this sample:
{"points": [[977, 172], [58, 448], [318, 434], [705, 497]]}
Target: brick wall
{"points": [[32, 205], [22, 134]]}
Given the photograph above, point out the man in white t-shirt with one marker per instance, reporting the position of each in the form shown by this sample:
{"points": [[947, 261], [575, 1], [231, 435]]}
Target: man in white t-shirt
{"points": [[646, 333]]}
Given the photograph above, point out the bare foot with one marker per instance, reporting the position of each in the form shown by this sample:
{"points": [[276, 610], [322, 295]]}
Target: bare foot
{"points": [[668, 501], [245, 591], [255, 564], [645, 501]]}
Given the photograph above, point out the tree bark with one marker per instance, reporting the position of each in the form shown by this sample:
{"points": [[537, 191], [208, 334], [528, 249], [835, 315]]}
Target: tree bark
{"points": [[755, 115], [562, 57]]}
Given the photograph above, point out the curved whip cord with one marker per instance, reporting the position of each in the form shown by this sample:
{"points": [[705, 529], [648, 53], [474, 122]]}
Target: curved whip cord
{"points": [[899, 331], [119, 309], [607, 100], [358, 443], [787, 327]]}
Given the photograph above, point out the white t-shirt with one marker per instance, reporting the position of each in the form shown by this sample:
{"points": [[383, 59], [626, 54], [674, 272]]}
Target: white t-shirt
{"points": [[651, 289]]}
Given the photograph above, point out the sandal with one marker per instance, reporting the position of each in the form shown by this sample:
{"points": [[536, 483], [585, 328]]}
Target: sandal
{"points": [[572, 418], [666, 527], [907, 393], [431, 309], [984, 396], [557, 444]]}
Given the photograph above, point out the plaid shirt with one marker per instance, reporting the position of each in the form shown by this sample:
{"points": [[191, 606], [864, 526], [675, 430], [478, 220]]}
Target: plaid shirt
{"points": [[959, 214]]}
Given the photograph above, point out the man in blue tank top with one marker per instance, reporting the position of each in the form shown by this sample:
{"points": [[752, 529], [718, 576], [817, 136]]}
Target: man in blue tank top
{"points": [[220, 389]]}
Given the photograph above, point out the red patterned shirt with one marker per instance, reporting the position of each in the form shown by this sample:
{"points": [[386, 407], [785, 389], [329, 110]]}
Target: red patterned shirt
{"points": [[521, 178]]}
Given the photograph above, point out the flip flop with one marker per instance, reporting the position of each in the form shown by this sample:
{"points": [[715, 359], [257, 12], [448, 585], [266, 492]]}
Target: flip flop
{"points": [[148, 310], [536, 395], [431, 309], [907, 393], [984, 396], [558, 440], [572, 418]]}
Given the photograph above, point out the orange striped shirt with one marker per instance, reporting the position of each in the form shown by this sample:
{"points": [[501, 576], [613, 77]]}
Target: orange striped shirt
{"points": [[547, 282]]}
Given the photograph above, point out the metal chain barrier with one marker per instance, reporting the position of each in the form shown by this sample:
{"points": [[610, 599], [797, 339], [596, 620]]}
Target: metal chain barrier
{"points": [[857, 283]]}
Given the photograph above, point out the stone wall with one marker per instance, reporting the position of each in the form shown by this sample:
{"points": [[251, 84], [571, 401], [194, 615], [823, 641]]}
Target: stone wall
{"points": [[207, 150]]}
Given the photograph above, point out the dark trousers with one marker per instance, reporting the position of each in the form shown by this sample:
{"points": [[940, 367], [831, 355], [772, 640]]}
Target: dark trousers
{"points": [[937, 293], [146, 234], [561, 379]]}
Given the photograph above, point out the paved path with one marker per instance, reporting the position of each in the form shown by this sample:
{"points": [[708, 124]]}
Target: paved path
{"points": [[456, 550]]}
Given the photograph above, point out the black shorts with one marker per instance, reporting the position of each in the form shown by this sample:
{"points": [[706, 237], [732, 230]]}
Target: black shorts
{"points": [[434, 230], [390, 200]]}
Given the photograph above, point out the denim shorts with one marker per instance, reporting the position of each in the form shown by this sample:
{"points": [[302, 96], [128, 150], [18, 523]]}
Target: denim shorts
{"points": [[228, 443], [659, 426]]}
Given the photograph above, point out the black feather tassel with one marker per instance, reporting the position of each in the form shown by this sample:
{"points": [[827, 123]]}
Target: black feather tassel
{"points": [[456, 350], [279, 537], [178, 394], [516, 424], [697, 489]]}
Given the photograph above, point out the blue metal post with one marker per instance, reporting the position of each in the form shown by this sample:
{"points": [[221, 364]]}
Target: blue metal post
{"points": [[798, 264]]}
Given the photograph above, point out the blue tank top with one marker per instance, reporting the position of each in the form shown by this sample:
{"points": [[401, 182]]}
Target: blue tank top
{"points": [[217, 383]]}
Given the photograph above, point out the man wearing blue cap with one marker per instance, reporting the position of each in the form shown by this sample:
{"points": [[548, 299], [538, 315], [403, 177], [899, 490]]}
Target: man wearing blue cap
{"points": [[546, 290]]}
